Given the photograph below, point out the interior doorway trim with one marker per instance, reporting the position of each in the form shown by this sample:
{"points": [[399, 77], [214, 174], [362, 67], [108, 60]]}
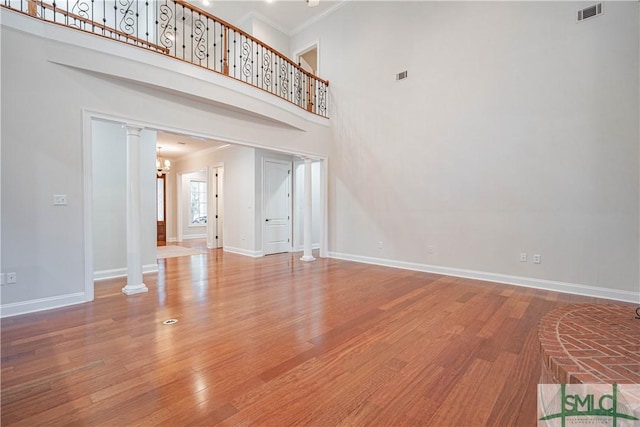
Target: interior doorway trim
{"points": [[89, 115], [306, 48]]}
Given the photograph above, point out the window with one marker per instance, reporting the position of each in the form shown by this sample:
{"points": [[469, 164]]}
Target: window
{"points": [[160, 198], [198, 202]]}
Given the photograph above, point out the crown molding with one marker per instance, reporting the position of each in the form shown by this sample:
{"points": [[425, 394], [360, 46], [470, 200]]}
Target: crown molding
{"points": [[266, 20], [317, 18]]}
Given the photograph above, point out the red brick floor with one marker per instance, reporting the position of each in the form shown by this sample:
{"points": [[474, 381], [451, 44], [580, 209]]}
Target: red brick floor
{"points": [[590, 343]]}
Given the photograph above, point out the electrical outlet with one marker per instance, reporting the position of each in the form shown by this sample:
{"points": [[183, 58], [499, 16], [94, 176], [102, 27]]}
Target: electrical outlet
{"points": [[59, 200], [12, 278], [431, 249], [523, 257], [537, 259]]}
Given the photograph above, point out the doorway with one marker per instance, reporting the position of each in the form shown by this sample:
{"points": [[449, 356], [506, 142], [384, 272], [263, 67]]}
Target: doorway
{"points": [[277, 206], [308, 61]]}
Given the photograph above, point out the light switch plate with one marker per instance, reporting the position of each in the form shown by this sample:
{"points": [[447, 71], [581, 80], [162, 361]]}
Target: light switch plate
{"points": [[59, 200]]}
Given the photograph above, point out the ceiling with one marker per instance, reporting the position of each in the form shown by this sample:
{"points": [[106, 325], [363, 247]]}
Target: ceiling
{"points": [[173, 146], [285, 15]]}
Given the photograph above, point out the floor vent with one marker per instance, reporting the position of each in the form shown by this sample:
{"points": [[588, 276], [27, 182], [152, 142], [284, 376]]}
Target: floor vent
{"points": [[402, 75], [170, 322], [590, 12]]}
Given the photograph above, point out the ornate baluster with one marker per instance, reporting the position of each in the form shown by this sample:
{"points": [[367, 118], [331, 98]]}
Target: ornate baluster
{"points": [[284, 82], [199, 29], [247, 59], [175, 27], [309, 104], [184, 33], [127, 22], [291, 98], [115, 17], [322, 102], [146, 19], [104, 17], [167, 35], [276, 63], [225, 47], [235, 57], [214, 45]]}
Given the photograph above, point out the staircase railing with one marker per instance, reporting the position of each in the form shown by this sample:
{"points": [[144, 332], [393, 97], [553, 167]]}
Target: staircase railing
{"points": [[180, 30]]}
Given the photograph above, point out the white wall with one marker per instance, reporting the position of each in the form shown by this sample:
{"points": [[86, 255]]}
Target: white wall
{"points": [[516, 131], [109, 153], [191, 231], [270, 35], [43, 142], [109, 196]]}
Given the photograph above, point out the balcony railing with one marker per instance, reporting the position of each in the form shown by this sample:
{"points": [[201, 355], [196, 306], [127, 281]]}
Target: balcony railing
{"points": [[178, 29]]}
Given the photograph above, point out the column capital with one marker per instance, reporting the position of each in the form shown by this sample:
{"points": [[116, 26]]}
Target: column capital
{"points": [[133, 130]]}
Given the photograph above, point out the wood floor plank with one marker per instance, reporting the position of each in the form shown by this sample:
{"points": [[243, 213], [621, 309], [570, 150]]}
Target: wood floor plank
{"points": [[275, 341]]}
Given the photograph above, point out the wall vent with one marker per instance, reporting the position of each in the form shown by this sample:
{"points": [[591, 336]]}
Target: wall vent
{"points": [[402, 75], [590, 12]]}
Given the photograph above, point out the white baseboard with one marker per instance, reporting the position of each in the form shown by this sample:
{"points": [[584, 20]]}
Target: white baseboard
{"points": [[194, 236], [239, 251], [172, 239], [300, 248], [32, 306], [122, 272], [528, 282]]}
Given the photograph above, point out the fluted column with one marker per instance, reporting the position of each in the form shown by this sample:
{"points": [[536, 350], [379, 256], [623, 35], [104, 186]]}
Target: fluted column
{"points": [[134, 220], [308, 237]]}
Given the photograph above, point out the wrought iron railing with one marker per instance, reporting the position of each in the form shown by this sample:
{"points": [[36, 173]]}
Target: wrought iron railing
{"points": [[180, 30]]}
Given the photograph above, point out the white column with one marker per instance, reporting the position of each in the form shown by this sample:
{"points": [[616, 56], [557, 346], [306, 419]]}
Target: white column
{"points": [[307, 256], [211, 211], [134, 222]]}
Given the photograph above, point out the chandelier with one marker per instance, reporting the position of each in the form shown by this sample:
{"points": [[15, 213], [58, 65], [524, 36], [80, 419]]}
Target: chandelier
{"points": [[162, 165]]}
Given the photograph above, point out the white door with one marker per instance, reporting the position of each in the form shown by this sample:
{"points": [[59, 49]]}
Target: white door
{"points": [[277, 207]]}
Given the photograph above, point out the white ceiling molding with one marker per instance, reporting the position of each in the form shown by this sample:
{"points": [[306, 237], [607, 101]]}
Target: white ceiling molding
{"points": [[317, 18], [265, 19]]}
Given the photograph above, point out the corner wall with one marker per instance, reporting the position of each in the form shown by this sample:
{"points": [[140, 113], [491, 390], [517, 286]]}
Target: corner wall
{"points": [[515, 131]]}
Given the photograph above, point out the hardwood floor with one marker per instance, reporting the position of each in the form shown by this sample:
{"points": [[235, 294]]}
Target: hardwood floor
{"points": [[274, 341]]}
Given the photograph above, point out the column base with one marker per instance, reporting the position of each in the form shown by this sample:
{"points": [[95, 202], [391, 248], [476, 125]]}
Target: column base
{"points": [[136, 289], [307, 258]]}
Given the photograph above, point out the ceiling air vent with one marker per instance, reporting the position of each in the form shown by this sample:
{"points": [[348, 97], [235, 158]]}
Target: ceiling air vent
{"points": [[402, 75], [590, 12]]}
